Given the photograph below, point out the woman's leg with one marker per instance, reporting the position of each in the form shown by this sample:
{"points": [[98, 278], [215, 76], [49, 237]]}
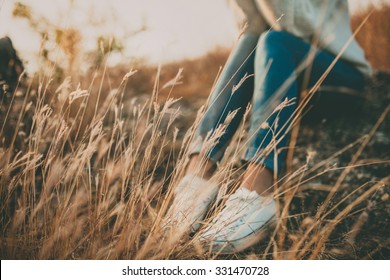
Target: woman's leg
{"points": [[278, 57], [223, 101], [194, 193], [246, 212], [275, 81]]}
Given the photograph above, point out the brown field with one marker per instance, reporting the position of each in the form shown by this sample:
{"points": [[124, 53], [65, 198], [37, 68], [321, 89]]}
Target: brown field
{"points": [[374, 36], [87, 172]]}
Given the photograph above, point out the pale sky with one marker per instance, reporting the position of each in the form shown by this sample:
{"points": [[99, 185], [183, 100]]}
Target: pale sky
{"points": [[176, 29]]}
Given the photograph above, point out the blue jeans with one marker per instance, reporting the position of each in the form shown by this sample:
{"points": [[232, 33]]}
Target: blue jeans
{"points": [[271, 71]]}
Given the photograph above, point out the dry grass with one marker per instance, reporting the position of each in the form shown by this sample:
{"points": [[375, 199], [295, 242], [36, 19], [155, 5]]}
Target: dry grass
{"points": [[101, 193], [374, 36], [88, 172]]}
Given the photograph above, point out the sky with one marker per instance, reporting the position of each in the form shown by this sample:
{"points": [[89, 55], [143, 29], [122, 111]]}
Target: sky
{"points": [[175, 29]]}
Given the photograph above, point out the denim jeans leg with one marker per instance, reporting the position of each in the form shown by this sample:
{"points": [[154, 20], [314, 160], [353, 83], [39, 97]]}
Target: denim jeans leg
{"points": [[276, 79], [224, 101]]}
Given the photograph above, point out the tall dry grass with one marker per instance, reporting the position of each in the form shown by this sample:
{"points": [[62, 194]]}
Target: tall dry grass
{"points": [[101, 192], [87, 172]]}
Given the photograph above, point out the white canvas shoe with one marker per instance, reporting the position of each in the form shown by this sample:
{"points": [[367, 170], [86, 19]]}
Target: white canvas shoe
{"points": [[192, 197], [241, 223]]}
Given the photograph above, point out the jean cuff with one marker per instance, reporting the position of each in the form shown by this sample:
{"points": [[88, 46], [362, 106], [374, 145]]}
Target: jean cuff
{"points": [[252, 155], [197, 148]]}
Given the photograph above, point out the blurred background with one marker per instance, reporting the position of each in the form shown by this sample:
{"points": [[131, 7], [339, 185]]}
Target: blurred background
{"points": [[154, 31]]}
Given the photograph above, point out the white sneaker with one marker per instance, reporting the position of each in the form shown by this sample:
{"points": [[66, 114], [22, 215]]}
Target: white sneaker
{"points": [[192, 197], [241, 223]]}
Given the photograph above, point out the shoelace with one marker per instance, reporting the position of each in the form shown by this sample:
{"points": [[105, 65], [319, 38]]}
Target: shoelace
{"points": [[239, 202], [242, 195]]}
